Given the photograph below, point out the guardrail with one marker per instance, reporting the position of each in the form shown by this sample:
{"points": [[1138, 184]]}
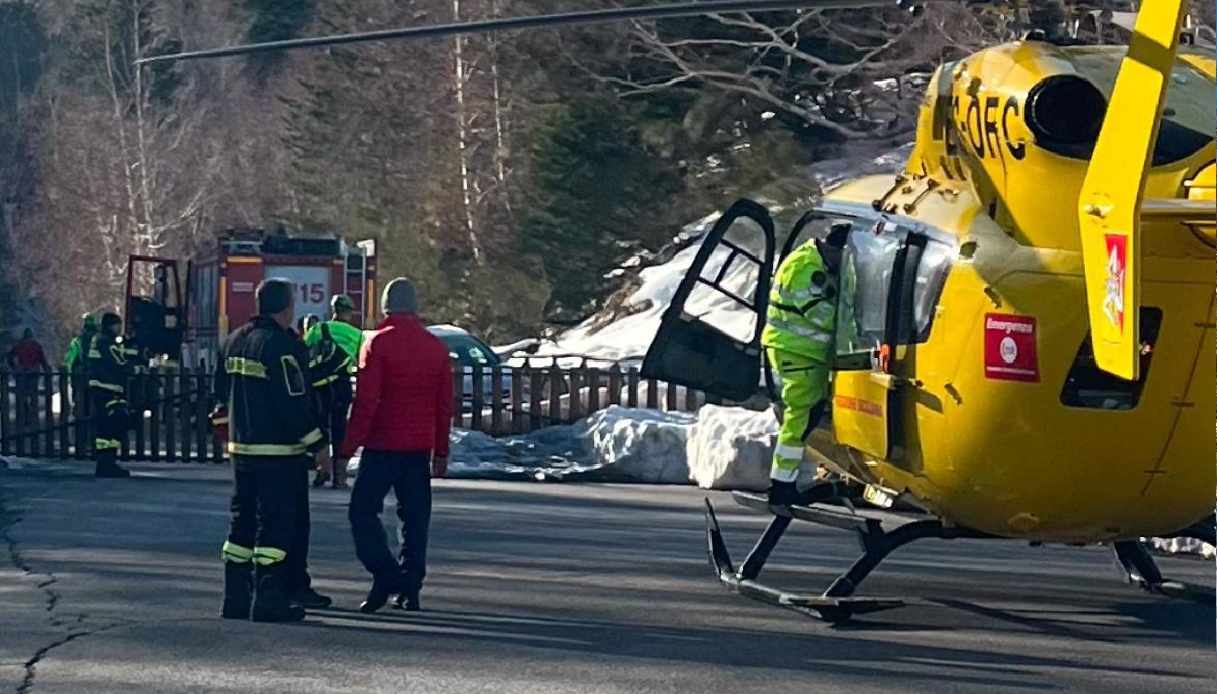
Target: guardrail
{"points": [[41, 416]]}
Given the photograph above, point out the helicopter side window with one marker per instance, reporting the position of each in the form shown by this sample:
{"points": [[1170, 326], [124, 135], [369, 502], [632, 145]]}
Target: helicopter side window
{"points": [[866, 273], [866, 277]]}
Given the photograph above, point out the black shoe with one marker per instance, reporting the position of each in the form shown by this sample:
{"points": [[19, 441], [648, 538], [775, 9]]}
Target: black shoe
{"points": [[111, 471], [238, 590], [340, 484], [407, 602], [310, 599], [270, 604], [320, 479], [378, 595]]}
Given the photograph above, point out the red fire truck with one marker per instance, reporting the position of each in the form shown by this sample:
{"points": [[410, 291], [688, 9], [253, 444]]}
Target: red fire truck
{"points": [[223, 276]]}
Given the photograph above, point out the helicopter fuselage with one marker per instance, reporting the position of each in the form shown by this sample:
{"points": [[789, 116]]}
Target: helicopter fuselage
{"points": [[998, 420]]}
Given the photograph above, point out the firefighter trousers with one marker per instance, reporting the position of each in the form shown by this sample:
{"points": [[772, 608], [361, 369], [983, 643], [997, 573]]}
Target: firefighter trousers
{"points": [[265, 509], [109, 410], [804, 401], [295, 567]]}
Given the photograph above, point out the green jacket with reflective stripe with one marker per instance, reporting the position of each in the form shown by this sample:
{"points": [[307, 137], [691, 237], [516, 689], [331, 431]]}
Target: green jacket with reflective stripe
{"points": [[348, 338], [802, 317]]}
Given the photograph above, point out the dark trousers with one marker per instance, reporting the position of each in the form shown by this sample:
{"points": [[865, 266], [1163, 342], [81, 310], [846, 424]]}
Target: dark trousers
{"points": [[295, 567], [266, 506], [408, 474], [335, 404], [109, 412]]}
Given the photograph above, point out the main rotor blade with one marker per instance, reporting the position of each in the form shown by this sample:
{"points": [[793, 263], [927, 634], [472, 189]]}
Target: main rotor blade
{"points": [[616, 14]]}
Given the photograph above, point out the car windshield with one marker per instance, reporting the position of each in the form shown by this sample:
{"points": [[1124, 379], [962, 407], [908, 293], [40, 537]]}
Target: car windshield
{"points": [[469, 351], [1190, 115]]}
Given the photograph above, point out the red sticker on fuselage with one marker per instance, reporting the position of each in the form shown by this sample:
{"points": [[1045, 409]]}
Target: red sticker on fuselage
{"points": [[1010, 348]]}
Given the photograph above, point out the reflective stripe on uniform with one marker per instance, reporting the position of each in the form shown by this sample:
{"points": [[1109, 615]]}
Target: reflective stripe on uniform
{"points": [[266, 449], [101, 385], [106, 444], [245, 367], [236, 554], [265, 556], [325, 381], [312, 437], [779, 474], [219, 420], [820, 336]]}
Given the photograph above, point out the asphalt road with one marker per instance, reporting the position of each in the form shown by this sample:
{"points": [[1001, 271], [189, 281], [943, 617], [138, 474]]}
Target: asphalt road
{"points": [[113, 586]]}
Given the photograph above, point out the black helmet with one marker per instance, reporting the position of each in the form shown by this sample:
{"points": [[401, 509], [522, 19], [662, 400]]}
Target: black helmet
{"points": [[109, 319]]}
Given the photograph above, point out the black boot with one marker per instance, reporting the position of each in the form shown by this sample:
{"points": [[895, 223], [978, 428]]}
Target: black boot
{"points": [[238, 590], [407, 600], [109, 469], [378, 594], [310, 599], [270, 602]]}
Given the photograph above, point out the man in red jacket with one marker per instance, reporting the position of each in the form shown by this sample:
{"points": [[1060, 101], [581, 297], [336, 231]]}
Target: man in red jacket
{"points": [[401, 417]]}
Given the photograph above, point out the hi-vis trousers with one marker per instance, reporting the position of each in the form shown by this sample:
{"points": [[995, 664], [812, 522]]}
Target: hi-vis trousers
{"points": [[804, 401]]}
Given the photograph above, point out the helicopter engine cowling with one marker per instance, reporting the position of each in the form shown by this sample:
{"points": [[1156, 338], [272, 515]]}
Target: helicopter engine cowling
{"points": [[1019, 122]]}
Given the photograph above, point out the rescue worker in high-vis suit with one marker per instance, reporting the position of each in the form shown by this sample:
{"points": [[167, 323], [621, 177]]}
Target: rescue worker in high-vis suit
{"points": [[334, 354], [109, 370], [799, 340], [75, 359], [272, 428]]}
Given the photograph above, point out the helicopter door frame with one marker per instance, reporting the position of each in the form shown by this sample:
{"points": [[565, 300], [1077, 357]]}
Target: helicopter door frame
{"points": [[868, 399], [690, 352]]}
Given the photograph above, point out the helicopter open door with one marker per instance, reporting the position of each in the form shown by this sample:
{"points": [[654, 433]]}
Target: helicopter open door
{"points": [[710, 335], [881, 314]]}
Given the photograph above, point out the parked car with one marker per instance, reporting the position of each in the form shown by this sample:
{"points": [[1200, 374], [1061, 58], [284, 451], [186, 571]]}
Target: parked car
{"points": [[471, 353]]}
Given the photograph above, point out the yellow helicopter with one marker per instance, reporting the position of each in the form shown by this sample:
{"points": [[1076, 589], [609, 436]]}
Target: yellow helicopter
{"points": [[969, 383]]}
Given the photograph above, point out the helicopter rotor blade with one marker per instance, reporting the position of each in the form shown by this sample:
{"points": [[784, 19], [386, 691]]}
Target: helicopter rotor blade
{"points": [[601, 16]]}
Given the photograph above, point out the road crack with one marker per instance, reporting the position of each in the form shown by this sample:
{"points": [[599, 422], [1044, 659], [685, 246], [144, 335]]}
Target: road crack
{"points": [[75, 625]]}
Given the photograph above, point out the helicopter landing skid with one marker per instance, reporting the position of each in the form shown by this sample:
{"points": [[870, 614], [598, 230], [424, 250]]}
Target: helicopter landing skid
{"points": [[1141, 570], [835, 604]]}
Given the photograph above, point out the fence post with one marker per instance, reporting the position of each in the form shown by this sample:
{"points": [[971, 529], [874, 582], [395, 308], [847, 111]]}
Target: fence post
{"points": [[631, 397], [157, 382], [652, 394], [65, 414], [139, 401], [6, 429], [496, 400], [518, 377], [671, 399], [84, 444], [535, 416], [690, 400], [169, 420], [593, 390], [458, 394], [574, 409], [201, 432], [185, 385], [477, 399], [555, 394], [614, 384]]}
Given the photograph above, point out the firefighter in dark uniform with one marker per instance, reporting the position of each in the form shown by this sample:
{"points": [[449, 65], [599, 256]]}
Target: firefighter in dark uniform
{"points": [[272, 427], [109, 370]]}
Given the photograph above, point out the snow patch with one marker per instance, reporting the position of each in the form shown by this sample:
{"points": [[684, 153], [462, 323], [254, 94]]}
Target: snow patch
{"points": [[732, 448]]}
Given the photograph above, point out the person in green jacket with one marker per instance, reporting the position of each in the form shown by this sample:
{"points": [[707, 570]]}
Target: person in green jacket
{"points": [[74, 361], [800, 340], [331, 371]]}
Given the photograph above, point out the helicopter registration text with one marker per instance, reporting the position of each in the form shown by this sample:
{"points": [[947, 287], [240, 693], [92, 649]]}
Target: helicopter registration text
{"points": [[1010, 348]]}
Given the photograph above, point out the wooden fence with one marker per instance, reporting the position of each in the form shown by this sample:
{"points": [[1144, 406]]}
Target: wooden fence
{"points": [[41, 417]]}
